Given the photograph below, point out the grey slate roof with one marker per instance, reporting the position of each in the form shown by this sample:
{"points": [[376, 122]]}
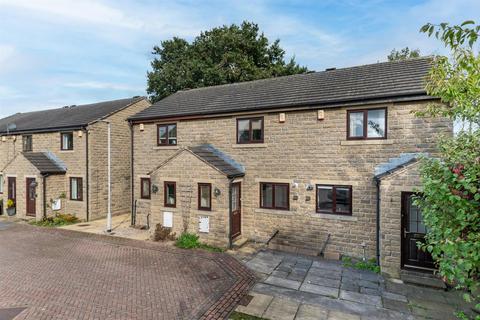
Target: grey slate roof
{"points": [[45, 162], [394, 164], [219, 160], [66, 117], [387, 80]]}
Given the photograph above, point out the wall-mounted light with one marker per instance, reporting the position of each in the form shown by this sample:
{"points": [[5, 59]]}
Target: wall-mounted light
{"points": [[142, 127], [217, 192], [320, 114], [281, 117], [80, 133], [309, 187], [154, 188], [4, 138], [14, 138]]}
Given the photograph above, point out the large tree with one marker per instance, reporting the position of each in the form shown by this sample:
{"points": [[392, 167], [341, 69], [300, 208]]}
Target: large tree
{"points": [[403, 54], [222, 55], [451, 182]]}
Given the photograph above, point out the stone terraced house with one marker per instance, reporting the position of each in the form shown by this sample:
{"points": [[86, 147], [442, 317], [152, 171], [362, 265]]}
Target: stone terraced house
{"points": [[324, 162], [56, 160]]}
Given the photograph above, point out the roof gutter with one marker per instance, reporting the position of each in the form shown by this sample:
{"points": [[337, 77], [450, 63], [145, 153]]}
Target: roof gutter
{"points": [[45, 130]]}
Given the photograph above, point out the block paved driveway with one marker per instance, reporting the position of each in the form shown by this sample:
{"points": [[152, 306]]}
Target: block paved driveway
{"points": [[60, 274]]}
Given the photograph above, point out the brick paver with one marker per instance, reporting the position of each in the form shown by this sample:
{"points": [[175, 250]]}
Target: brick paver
{"points": [[59, 274]]}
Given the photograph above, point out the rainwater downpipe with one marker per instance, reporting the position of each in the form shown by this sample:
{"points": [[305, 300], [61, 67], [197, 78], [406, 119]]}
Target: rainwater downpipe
{"points": [[378, 222], [88, 174], [44, 182]]}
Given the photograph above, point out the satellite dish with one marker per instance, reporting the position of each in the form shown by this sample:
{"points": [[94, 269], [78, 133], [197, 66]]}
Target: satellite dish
{"points": [[11, 127]]}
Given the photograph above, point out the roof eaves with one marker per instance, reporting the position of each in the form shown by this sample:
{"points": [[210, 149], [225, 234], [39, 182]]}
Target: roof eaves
{"points": [[415, 96]]}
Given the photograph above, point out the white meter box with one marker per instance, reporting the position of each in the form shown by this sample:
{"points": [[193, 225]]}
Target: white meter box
{"points": [[204, 224]]}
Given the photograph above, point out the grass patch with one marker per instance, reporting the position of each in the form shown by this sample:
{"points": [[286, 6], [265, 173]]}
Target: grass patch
{"points": [[190, 241], [56, 221], [242, 316], [370, 264]]}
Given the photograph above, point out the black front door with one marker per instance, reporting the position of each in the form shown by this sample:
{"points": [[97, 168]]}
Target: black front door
{"points": [[413, 231]]}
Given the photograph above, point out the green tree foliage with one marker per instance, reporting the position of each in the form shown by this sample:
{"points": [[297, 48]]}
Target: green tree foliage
{"points": [[451, 182], [403, 54], [222, 55]]}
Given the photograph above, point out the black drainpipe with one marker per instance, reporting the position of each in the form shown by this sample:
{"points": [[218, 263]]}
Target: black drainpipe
{"points": [[377, 180], [88, 174], [133, 206], [44, 178]]}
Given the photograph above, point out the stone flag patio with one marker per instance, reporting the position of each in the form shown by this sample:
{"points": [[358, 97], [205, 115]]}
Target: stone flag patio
{"points": [[308, 288]]}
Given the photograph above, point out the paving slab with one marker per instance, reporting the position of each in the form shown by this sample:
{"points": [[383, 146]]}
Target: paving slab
{"points": [[310, 312], [328, 265], [285, 283], [257, 306], [322, 281], [332, 274], [394, 296], [397, 305], [321, 290], [361, 298], [281, 309], [337, 315]]}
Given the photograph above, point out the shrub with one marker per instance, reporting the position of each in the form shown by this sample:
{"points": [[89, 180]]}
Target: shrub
{"points": [[190, 241], [370, 264], [162, 233], [57, 220]]}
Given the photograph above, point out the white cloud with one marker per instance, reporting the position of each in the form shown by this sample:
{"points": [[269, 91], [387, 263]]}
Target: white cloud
{"points": [[88, 11]]}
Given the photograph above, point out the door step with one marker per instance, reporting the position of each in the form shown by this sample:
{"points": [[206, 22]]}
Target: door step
{"points": [[238, 243], [422, 279]]}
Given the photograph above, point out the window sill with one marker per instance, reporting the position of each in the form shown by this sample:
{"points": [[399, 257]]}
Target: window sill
{"points": [[333, 216], [249, 145], [166, 148], [365, 142], [67, 151], [274, 211]]}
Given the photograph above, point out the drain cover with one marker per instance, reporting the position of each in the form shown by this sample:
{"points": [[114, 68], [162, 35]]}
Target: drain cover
{"points": [[245, 300], [212, 276], [10, 313]]}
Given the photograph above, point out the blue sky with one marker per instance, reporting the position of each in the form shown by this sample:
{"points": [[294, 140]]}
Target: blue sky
{"points": [[64, 52]]}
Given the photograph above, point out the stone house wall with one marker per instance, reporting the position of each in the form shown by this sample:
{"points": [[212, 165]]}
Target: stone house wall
{"points": [[121, 164], [76, 162], [21, 169], [391, 188], [302, 151], [186, 214]]}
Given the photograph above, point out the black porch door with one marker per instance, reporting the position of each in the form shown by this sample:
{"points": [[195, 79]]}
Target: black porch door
{"points": [[413, 231]]}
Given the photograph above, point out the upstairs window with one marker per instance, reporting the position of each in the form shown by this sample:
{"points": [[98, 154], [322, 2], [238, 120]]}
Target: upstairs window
{"points": [[367, 124], [167, 134], [67, 141], [76, 189], [1, 183], [170, 193], [274, 196], [250, 130], [27, 143], [145, 184], [334, 199], [204, 196]]}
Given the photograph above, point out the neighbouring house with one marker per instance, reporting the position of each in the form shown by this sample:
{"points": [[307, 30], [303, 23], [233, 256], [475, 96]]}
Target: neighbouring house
{"points": [[55, 161], [328, 159]]}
